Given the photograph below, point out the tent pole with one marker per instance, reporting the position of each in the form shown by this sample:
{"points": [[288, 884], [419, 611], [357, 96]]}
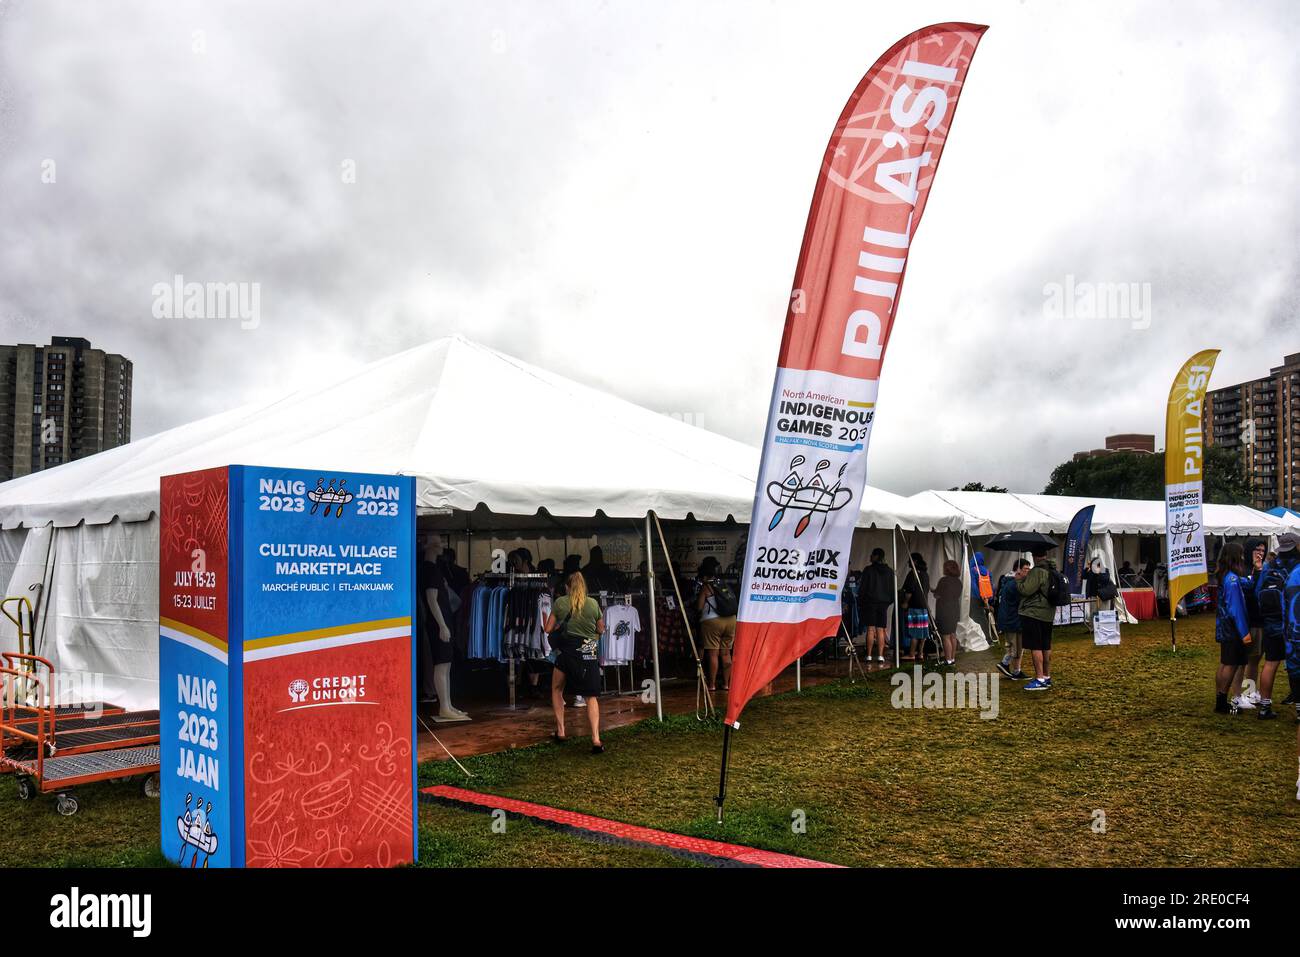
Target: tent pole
{"points": [[798, 675], [898, 628], [654, 626], [702, 685]]}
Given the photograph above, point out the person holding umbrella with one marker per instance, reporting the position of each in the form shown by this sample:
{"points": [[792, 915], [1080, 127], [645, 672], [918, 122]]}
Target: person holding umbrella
{"points": [[1036, 616], [1036, 609]]}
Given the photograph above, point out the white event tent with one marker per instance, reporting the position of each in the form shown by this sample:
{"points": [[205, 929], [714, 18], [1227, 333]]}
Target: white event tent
{"points": [[1116, 523], [477, 428]]}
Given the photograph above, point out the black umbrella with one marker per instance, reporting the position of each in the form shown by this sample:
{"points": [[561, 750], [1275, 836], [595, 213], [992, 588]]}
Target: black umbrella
{"points": [[1020, 542]]}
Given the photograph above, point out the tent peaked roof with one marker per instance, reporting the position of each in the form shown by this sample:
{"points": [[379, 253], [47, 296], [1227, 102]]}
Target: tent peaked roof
{"points": [[475, 426], [988, 513]]}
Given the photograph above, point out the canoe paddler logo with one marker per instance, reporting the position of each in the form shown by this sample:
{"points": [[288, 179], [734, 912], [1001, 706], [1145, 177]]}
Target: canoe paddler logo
{"points": [[808, 496], [333, 499], [196, 832], [1184, 524]]}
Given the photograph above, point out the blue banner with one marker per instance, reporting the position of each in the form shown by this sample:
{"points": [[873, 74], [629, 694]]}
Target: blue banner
{"points": [[1075, 558]]}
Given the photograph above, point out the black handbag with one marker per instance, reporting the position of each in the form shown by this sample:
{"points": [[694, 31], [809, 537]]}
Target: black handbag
{"points": [[559, 638]]}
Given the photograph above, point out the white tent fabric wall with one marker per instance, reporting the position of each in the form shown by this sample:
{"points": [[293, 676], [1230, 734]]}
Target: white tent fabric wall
{"points": [[12, 541], [98, 622], [935, 548]]}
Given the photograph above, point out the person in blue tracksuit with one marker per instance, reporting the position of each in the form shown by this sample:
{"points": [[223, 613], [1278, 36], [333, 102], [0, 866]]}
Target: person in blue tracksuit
{"points": [[1008, 622], [1288, 546], [1232, 625], [1270, 603]]}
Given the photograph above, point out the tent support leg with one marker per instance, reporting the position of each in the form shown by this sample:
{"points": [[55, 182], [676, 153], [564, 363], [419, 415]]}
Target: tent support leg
{"points": [[898, 627], [701, 683], [654, 625], [853, 653]]}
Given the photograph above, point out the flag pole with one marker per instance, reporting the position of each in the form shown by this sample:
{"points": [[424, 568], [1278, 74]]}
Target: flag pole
{"points": [[722, 779]]}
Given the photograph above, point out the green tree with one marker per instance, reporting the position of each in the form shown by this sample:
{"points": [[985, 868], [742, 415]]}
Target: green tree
{"points": [[1225, 477], [1139, 475], [1114, 475], [977, 487]]}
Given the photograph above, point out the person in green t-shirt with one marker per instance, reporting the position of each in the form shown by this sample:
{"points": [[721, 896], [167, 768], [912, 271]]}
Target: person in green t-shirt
{"points": [[577, 665]]}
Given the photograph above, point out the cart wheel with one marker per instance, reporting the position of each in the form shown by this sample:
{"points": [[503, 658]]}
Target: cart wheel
{"points": [[26, 790], [151, 787], [67, 805]]}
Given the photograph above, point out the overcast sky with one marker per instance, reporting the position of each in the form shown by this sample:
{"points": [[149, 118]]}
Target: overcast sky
{"points": [[617, 191]]}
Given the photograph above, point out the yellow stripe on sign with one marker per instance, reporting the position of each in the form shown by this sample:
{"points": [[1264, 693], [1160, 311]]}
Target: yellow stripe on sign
{"points": [[863, 405], [196, 633], [273, 641]]}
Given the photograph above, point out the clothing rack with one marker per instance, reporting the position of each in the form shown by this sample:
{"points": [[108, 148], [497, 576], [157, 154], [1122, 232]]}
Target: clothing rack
{"points": [[605, 599], [510, 580]]}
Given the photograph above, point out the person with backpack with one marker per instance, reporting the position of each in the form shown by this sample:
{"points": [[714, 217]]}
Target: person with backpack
{"points": [[1231, 625], [875, 597], [1008, 622], [717, 606], [1042, 590], [1270, 601]]}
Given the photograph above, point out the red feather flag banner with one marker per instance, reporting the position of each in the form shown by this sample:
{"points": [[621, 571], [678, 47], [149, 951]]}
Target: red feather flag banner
{"points": [[872, 189]]}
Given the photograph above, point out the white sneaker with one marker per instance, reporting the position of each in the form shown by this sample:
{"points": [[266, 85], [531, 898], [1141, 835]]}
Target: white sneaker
{"points": [[1253, 698], [880, 658], [579, 701], [1243, 702]]}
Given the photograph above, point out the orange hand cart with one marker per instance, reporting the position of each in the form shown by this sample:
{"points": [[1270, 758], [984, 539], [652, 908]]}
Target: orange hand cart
{"points": [[29, 741]]}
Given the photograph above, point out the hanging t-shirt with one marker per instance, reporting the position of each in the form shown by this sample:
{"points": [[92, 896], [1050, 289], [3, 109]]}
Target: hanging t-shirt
{"points": [[622, 622], [538, 641]]}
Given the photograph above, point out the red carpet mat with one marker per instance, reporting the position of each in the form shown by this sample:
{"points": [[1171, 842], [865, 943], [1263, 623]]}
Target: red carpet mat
{"points": [[601, 829]]}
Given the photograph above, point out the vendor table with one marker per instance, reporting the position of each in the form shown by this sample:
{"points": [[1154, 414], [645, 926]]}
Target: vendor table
{"points": [[1140, 602]]}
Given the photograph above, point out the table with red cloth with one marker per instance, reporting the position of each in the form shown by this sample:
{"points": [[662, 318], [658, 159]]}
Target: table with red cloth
{"points": [[1140, 602]]}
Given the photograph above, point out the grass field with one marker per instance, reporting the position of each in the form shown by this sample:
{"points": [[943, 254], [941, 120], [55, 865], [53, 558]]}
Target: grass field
{"points": [[1127, 732]]}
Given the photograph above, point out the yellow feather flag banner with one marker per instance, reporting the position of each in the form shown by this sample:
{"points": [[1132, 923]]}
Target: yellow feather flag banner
{"points": [[1184, 478]]}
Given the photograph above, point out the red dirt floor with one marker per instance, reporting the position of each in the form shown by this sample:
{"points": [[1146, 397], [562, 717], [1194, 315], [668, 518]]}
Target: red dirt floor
{"points": [[496, 728]]}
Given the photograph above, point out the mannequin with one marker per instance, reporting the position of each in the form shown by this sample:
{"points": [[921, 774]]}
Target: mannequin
{"points": [[440, 633]]}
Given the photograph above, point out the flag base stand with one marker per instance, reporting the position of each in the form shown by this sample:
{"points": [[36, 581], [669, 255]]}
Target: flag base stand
{"points": [[853, 655]]}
